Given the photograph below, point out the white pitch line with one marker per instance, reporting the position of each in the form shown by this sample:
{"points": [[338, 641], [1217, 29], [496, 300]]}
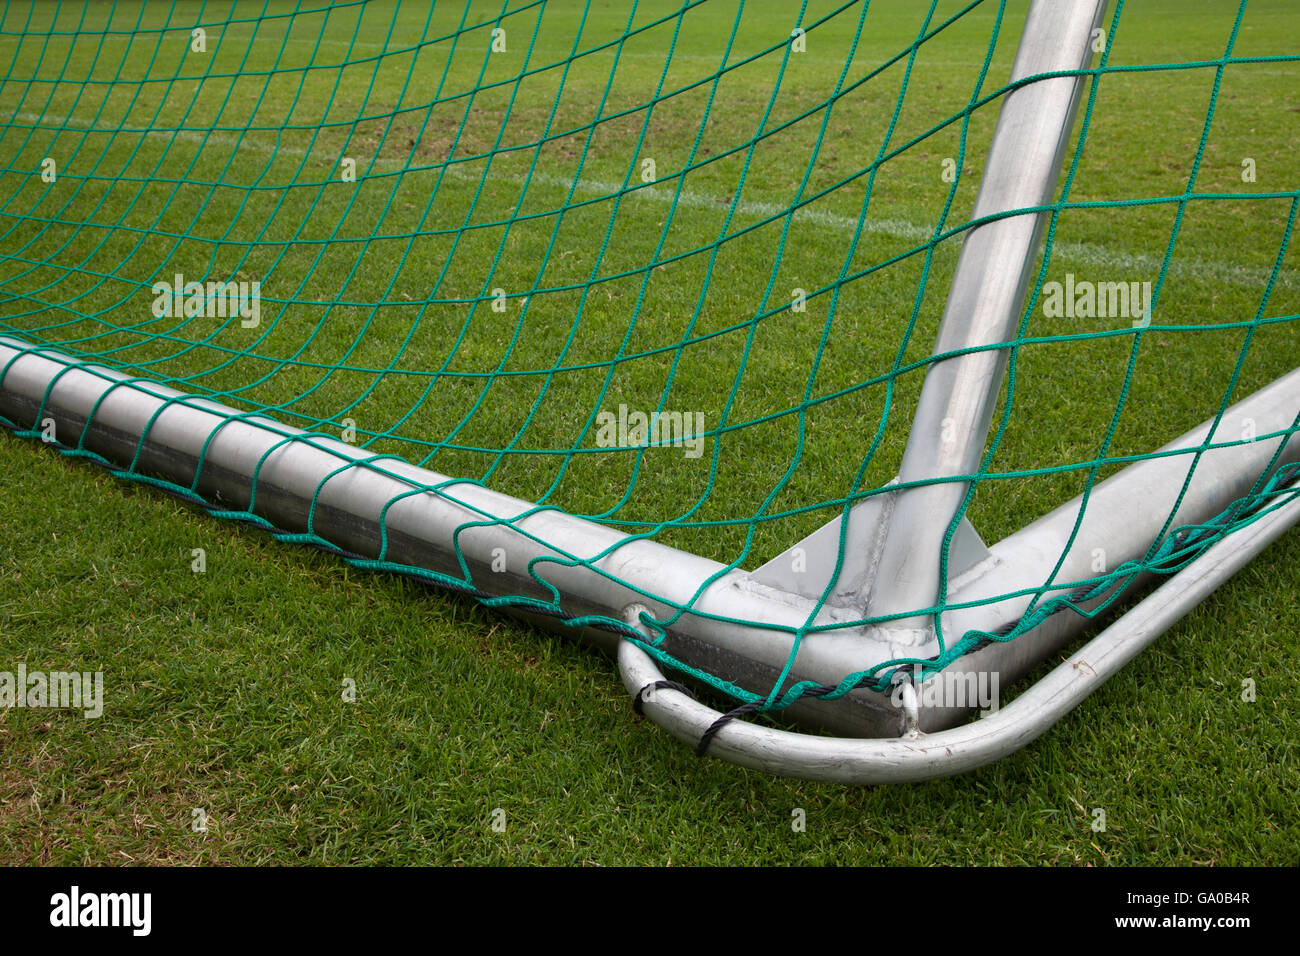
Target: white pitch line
{"points": [[999, 66], [1086, 253]]}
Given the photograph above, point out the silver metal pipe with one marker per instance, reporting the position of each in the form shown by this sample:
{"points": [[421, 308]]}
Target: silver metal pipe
{"points": [[1123, 516], [724, 621], [737, 628], [951, 425], [427, 520], [909, 759]]}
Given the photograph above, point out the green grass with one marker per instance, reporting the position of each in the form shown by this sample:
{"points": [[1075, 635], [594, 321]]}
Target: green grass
{"points": [[224, 688], [223, 691]]}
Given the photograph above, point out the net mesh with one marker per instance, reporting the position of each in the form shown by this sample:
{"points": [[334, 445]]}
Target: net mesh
{"points": [[675, 268]]}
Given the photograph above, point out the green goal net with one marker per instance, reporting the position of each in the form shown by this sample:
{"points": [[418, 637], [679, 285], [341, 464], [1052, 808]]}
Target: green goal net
{"points": [[675, 268]]}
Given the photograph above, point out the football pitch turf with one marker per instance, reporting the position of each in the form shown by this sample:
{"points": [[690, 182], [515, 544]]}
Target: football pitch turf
{"points": [[223, 689]]}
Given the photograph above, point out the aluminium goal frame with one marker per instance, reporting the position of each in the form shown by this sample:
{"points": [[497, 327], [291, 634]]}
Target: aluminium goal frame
{"points": [[894, 544]]}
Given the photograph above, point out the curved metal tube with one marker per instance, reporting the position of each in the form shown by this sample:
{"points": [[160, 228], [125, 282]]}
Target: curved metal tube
{"points": [[901, 760]]}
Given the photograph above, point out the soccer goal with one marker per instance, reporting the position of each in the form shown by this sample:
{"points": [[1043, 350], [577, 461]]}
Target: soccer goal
{"points": [[832, 366]]}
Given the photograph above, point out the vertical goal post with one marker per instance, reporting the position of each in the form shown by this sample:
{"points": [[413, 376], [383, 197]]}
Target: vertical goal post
{"points": [[845, 630]]}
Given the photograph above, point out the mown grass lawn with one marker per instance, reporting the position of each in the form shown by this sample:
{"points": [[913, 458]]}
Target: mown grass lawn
{"points": [[224, 690]]}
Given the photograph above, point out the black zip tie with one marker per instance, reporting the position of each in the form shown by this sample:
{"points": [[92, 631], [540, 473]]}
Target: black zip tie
{"points": [[638, 700]]}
